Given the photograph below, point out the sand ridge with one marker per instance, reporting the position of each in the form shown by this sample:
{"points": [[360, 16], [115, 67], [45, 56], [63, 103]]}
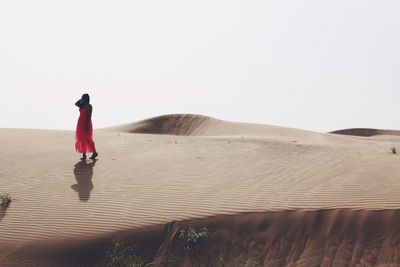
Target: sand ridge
{"points": [[366, 132]]}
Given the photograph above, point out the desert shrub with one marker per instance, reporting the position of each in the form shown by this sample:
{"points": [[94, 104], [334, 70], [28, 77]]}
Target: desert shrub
{"points": [[191, 237], [5, 199], [121, 255], [394, 150]]}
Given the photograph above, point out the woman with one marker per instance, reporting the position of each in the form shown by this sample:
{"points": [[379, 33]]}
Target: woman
{"points": [[84, 131]]}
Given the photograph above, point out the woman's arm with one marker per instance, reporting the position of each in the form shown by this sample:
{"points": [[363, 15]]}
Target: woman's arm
{"points": [[79, 103]]}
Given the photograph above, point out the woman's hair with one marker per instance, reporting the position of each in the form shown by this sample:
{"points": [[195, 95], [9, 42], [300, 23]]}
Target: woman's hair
{"points": [[85, 99]]}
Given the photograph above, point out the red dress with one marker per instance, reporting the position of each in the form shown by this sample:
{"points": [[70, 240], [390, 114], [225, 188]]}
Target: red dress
{"points": [[84, 139]]}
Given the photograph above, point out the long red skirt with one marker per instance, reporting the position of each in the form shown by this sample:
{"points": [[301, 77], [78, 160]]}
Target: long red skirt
{"points": [[84, 138]]}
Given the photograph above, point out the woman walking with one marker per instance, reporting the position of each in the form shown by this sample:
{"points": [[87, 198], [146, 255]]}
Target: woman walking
{"points": [[84, 131]]}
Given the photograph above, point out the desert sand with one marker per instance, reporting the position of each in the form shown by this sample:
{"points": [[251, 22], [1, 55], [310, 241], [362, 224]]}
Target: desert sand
{"points": [[269, 195]]}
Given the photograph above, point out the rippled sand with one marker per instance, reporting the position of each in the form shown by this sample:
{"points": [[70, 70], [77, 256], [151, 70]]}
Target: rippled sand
{"points": [[212, 168]]}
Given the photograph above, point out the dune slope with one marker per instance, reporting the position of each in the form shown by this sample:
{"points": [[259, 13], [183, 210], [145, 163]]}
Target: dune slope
{"points": [[337, 237]]}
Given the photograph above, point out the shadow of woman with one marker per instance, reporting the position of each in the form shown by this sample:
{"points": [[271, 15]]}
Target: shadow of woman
{"points": [[83, 172]]}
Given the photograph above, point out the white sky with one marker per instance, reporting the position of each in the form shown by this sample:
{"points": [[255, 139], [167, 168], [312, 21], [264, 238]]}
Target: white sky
{"points": [[316, 65]]}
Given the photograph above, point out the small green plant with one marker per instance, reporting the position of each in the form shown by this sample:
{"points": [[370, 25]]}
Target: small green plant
{"points": [[5, 199], [394, 150], [192, 237], [121, 255]]}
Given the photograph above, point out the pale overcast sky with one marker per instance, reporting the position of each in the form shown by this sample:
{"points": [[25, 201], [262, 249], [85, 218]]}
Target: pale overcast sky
{"points": [[315, 65]]}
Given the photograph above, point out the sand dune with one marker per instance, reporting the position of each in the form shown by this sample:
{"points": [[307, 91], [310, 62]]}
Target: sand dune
{"points": [[366, 132], [175, 124], [197, 125], [196, 167]]}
